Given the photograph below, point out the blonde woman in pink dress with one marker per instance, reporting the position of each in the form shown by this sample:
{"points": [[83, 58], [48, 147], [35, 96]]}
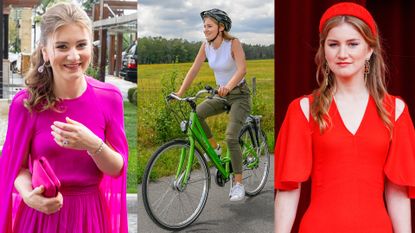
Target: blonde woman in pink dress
{"points": [[77, 124]]}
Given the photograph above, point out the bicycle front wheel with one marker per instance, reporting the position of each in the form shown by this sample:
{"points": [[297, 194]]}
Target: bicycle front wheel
{"points": [[256, 159], [170, 201]]}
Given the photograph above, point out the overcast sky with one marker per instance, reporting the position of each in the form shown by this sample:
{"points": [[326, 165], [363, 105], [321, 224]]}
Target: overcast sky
{"points": [[252, 20]]}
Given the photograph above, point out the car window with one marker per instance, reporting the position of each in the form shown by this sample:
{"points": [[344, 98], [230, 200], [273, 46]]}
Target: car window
{"points": [[132, 50]]}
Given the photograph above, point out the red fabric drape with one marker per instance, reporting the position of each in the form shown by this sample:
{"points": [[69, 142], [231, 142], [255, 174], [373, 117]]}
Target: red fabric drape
{"points": [[296, 40]]}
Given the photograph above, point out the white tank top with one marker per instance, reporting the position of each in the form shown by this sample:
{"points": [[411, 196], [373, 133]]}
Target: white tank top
{"points": [[221, 62]]}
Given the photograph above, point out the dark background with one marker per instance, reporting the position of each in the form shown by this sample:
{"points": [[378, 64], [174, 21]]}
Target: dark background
{"points": [[296, 42]]}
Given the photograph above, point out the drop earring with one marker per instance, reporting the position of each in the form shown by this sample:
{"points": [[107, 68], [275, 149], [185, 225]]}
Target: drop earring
{"points": [[41, 68], [326, 75], [367, 69]]}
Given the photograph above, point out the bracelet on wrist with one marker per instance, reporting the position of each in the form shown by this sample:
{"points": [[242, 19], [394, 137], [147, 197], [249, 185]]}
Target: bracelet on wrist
{"points": [[97, 151]]}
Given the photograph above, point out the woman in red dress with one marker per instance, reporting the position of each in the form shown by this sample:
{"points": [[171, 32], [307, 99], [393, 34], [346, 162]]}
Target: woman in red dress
{"points": [[355, 141]]}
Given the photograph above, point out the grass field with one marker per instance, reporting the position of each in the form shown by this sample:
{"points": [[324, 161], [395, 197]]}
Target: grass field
{"points": [[151, 101]]}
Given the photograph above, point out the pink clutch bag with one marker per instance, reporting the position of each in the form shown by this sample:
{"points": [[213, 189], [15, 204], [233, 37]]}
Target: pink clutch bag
{"points": [[44, 175]]}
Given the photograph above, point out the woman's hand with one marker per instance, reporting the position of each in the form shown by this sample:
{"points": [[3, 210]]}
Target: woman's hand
{"points": [[75, 135], [178, 94], [223, 91], [37, 201]]}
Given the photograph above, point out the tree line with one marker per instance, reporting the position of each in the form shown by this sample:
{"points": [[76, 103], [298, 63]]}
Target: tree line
{"points": [[157, 50]]}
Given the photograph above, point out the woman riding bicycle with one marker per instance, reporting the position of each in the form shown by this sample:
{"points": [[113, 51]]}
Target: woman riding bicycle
{"points": [[227, 59]]}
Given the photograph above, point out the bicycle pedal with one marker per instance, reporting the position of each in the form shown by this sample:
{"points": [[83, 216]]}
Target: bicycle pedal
{"points": [[219, 179]]}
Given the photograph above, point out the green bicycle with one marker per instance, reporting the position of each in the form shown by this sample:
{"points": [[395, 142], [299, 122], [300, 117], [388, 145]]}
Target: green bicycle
{"points": [[177, 178]]}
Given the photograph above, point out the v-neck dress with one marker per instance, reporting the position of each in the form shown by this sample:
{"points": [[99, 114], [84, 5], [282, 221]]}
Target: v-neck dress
{"points": [[347, 170]]}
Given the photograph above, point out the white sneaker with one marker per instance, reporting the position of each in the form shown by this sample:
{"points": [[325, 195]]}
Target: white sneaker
{"points": [[218, 151], [237, 192]]}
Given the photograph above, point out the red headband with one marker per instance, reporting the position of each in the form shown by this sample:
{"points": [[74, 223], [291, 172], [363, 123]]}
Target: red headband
{"points": [[352, 9]]}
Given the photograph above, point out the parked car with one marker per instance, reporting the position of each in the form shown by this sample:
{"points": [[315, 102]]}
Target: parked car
{"points": [[129, 63]]}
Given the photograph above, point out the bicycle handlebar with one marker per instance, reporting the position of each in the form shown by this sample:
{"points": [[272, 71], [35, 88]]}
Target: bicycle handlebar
{"points": [[207, 89]]}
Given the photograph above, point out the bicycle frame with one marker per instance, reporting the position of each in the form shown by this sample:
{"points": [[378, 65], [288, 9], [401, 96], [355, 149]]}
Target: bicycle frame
{"points": [[196, 134]]}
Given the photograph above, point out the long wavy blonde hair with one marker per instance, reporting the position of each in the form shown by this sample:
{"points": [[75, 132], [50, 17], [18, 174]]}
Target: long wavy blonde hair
{"points": [[375, 82], [40, 85]]}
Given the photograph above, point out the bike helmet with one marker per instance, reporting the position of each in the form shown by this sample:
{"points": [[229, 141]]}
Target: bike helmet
{"points": [[218, 15]]}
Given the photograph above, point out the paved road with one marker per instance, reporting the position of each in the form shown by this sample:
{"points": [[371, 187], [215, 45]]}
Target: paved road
{"points": [[253, 215], [132, 212], [121, 84], [3, 129]]}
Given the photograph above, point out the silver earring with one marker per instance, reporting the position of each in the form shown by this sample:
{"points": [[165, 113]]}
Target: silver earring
{"points": [[41, 68]]}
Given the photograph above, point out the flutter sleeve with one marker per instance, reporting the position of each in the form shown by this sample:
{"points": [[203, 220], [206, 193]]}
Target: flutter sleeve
{"points": [[293, 150], [400, 164], [114, 188], [16, 147]]}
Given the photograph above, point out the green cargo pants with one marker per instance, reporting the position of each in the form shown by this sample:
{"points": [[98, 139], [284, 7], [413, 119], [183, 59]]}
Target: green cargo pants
{"points": [[240, 101]]}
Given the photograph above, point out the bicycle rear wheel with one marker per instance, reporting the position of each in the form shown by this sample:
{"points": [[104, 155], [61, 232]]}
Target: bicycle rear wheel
{"points": [[256, 159], [169, 204]]}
